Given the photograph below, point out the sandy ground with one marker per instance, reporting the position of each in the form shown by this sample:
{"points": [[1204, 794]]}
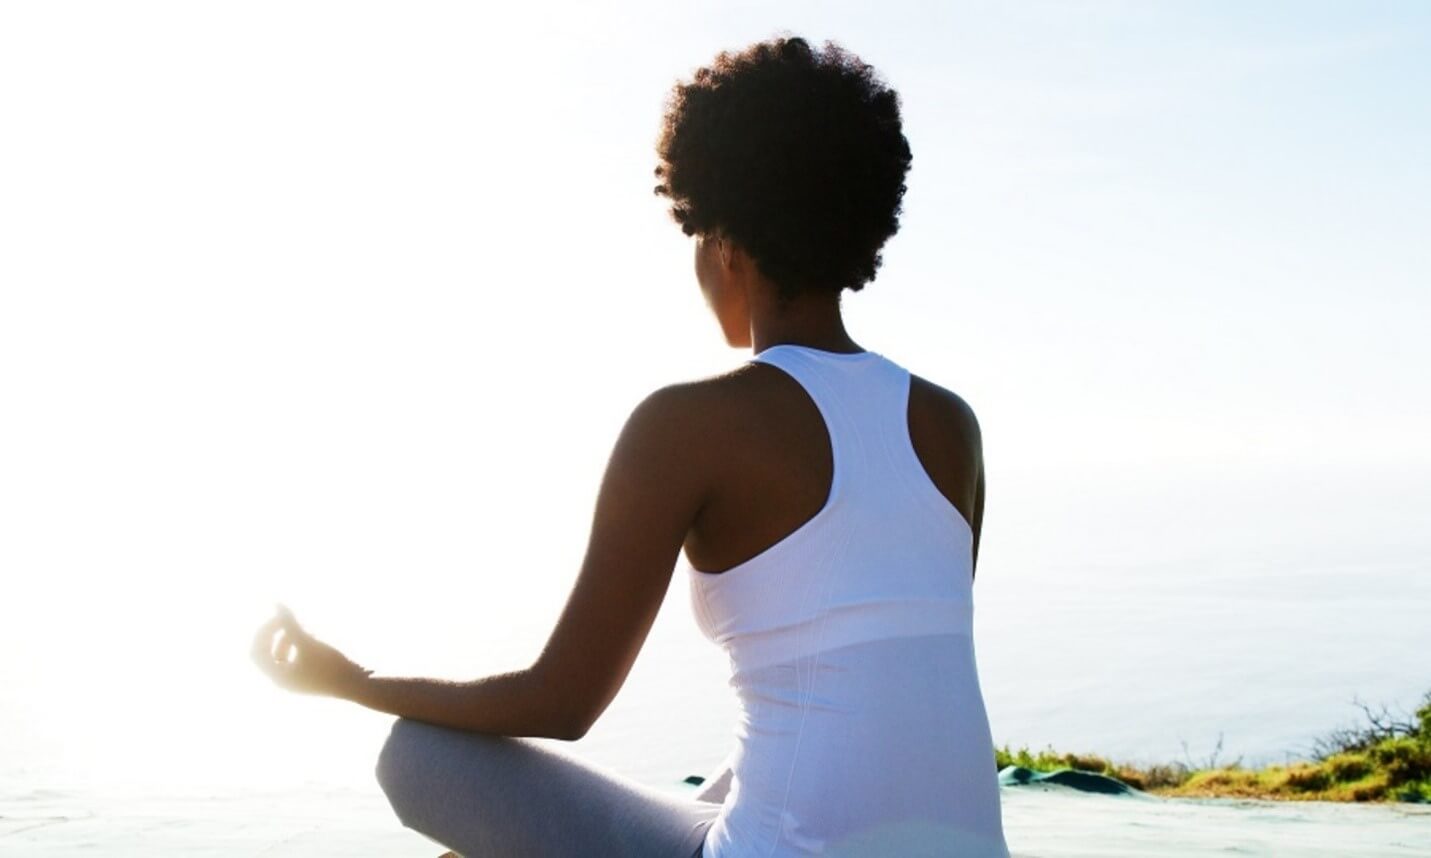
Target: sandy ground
{"points": [[1040, 822]]}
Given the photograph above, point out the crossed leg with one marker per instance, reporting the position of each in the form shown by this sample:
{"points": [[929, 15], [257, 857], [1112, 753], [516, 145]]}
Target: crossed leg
{"points": [[482, 795]]}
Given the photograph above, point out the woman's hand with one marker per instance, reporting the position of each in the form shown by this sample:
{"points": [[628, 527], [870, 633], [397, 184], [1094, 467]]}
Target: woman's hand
{"points": [[296, 660]]}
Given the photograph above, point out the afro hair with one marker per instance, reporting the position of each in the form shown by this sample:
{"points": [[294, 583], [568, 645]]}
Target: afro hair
{"points": [[796, 154]]}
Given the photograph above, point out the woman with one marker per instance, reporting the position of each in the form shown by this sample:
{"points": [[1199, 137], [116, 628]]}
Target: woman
{"points": [[829, 504]]}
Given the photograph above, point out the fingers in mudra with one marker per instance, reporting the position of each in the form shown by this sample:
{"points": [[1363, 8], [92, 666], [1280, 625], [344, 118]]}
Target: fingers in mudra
{"points": [[300, 662], [277, 647]]}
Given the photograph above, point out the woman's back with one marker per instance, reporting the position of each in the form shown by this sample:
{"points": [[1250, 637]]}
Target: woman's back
{"points": [[829, 506], [862, 724]]}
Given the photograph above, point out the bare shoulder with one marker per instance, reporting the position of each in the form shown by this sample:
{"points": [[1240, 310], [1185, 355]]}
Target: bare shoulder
{"points": [[698, 418], [938, 410], [707, 402], [946, 437]]}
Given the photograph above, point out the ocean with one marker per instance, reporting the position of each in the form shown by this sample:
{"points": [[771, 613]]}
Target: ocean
{"points": [[1147, 622]]}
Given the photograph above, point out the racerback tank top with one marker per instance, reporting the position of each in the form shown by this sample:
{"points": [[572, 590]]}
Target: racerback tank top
{"points": [[862, 729]]}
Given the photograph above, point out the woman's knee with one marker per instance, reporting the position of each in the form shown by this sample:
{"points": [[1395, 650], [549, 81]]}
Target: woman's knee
{"points": [[400, 764], [453, 786], [422, 766]]}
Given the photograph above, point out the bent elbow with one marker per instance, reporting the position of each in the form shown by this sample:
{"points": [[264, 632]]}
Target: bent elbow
{"points": [[576, 726], [558, 712]]}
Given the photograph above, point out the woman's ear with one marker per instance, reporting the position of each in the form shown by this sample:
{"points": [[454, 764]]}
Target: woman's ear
{"points": [[727, 252]]}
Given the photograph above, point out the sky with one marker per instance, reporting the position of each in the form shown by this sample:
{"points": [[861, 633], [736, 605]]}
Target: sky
{"points": [[343, 304]]}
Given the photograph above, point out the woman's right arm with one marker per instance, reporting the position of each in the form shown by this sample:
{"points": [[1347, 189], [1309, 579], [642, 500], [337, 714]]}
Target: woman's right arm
{"points": [[978, 522]]}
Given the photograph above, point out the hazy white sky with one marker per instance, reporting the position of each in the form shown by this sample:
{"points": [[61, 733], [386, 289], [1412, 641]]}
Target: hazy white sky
{"points": [[344, 303]]}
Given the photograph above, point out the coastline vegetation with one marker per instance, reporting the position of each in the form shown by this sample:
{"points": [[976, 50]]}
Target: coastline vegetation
{"points": [[1386, 759]]}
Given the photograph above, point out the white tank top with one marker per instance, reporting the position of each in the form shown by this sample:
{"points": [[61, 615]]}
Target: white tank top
{"points": [[862, 728]]}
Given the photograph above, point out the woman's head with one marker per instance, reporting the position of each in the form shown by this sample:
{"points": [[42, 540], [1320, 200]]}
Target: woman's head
{"points": [[793, 155]]}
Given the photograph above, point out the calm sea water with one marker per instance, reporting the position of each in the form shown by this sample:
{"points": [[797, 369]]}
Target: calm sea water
{"points": [[1039, 823], [1140, 620]]}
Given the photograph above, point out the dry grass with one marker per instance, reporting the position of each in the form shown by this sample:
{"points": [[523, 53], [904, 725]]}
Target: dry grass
{"points": [[1389, 760]]}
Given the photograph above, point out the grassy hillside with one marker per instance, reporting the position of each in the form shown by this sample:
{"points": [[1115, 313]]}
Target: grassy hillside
{"points": [[1385, 760]]}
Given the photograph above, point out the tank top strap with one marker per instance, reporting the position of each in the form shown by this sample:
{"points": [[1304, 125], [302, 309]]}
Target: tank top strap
{"points": [[863, 398]]}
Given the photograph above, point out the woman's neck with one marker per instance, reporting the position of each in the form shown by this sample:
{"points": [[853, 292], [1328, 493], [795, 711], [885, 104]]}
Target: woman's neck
{"points": [[813, 321]]}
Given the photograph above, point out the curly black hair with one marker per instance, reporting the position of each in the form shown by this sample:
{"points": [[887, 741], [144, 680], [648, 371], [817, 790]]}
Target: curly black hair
{"points": [[796, 154]]}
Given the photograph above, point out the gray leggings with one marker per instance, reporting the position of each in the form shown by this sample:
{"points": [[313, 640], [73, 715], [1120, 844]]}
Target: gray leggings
{"points": [[482, 795]]}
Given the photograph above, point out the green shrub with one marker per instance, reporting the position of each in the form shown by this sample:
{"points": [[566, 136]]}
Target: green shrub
{"points": [[1308, 778], [1389, 759], [1405, 760]]}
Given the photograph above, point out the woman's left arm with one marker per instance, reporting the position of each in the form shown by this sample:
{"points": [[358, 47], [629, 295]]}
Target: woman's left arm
{"points": [[654, 485]]}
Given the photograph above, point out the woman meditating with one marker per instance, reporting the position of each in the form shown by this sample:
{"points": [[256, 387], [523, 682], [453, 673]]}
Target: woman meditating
{"points": [[828, 503]]}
